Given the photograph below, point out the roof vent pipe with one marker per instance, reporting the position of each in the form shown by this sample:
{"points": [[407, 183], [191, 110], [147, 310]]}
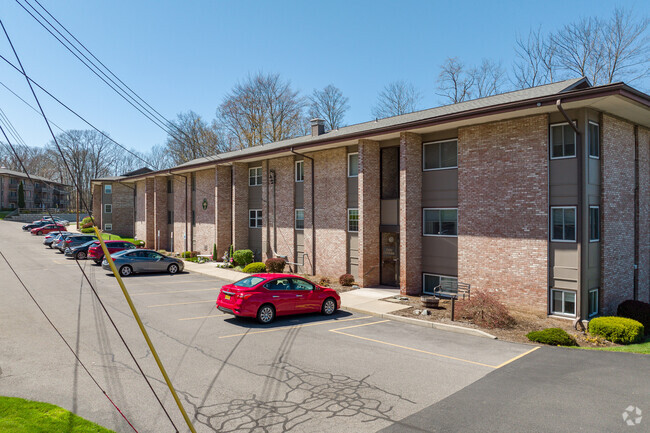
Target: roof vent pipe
{"points": [[317, 127]]}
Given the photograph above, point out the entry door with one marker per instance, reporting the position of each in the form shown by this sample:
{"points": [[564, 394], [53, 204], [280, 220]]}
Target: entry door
{"points": [[390, 259]]}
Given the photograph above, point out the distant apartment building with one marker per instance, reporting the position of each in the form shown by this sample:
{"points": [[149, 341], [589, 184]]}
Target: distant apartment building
{"points": [[542, 195], [42, 193]]}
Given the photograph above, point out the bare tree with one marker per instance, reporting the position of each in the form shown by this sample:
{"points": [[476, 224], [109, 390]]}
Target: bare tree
{"points": [[455, 82], [37, 160], [488, 78], [535, 60], [398, 97], [627, 47], [261, 109], [193, 138], [580, 49], [159, 158], [329, 104]]}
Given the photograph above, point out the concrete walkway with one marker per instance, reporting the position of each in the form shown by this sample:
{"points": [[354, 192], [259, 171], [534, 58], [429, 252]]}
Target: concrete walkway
{"points": [[368, 300]]}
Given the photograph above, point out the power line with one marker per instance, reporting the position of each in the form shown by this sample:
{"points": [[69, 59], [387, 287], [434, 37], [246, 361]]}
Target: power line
{"points": [[27, 103], [10, 127]]}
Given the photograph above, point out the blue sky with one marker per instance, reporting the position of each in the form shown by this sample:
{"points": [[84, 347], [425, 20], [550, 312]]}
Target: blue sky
{"points": [[186, 55]]}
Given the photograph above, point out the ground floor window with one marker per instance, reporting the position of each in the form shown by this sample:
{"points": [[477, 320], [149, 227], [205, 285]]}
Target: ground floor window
{"points": [[108, 227], [255, 218], [563, 302], [431, 281], [108, 208], [593, 302], [353, 220]]}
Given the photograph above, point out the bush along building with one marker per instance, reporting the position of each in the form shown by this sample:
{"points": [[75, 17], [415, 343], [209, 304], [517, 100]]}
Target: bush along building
{"points": [[541, 195]]}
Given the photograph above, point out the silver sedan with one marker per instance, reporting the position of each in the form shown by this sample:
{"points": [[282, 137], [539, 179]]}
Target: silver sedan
{"points": [[128, 262]]}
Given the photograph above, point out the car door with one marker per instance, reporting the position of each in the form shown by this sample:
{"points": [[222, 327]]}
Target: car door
{"points": [[281, 295], [306, 297], [155, 262], [138, 260]]}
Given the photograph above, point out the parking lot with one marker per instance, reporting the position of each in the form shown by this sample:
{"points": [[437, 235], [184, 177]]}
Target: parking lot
{"points": [[346, 373]]}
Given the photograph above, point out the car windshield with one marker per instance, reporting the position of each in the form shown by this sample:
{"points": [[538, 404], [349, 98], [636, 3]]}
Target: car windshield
{"points": [[249, 282]]}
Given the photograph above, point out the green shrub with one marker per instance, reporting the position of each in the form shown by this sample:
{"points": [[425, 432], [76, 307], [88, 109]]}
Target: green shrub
{"points": [[552, 336], [255, 268], [484, 309], [214, 252], [138, 243], [243, 257], [88, 230], [617, 329], [188, 254], [192, 259], [636, 310], [87, 220], [346, 279], [275, 265]]}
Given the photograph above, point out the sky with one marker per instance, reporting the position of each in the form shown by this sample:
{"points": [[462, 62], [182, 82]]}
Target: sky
{"points": [[187, 55]]}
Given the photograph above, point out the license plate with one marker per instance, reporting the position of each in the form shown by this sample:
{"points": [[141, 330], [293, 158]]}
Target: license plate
{"points": [[227, 297]]}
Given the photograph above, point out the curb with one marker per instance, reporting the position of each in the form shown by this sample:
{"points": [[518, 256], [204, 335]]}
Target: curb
{"points": [[424, 323]]}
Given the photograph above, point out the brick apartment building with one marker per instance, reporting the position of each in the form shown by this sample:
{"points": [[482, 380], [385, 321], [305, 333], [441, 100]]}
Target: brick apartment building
{"points": [[542, 195], [41, 194]]}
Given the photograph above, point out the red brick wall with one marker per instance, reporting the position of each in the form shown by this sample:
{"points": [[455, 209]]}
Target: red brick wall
{"points": [[503, 209], [284, 208], [410, 211], [240, 206], [149, 213], [181, 214], [97, 201], [369, 212], [223, 206], [204, 230], [122, 218], [644, 214]]}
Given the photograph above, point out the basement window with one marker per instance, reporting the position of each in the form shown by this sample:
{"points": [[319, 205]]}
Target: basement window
{"points": [[108, 227], [593, 302], [431, 281], [255, 176], [563, 224], [563, 141], [563, 302]]}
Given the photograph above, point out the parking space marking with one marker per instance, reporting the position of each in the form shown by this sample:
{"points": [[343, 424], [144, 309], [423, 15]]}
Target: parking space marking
{"points": [[338, 331], [173, 291], [204, 317], [181, 303], [282, 328], [517, 357]]}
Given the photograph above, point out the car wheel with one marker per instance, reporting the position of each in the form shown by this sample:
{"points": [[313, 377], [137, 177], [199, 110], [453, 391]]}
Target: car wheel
{"points": [[126, 270], [173, 268], [329, 307], [81, 255], [266, 314]]}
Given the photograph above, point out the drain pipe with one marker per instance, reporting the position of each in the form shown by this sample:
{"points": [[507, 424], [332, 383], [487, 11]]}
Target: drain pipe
{"points": [[579, 211], [313, 216]]}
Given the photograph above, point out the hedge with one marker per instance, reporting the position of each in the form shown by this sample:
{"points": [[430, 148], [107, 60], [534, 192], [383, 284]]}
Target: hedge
{"points": [[255, 268], [346, 279], [552, 336], [88, 230], [636, 310], [275, 265], [617, 329], [243, 257]]}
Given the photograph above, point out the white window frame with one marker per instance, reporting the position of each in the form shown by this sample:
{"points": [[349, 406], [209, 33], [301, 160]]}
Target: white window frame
{"points": [[358, 219], [108, 227], [252, 170], [550, 139], [258, 217], [438, 142], [550, 220], [425, 274], [300, 171], [296, 219], [591, 122], [598, 223], [597, 292], [108, 208], [575, 303], [108, 188], [439, 209], [349, 155]]}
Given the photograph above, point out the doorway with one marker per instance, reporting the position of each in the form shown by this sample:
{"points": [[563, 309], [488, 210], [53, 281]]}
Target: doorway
{"points": [[390, 259]]}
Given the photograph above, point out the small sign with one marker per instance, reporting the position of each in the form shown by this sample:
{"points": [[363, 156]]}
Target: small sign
{"points": [[205, 203]]}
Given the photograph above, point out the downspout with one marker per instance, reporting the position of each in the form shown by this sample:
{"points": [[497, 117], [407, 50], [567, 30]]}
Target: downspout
{"points": [[636, 212], [313, 216], [579, 211]]}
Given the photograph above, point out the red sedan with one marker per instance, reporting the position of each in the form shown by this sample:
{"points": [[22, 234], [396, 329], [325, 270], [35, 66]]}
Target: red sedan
{"points": [[97, 254], [266, 296], [48, 228]]}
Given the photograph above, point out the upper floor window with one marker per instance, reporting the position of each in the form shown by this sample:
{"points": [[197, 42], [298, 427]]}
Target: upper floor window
{"points": [[594, 140], [594, 223], [563, 224], [440, 154], [255, 176], [108, 208], [170, 186], [353, 220], [563, 141], [255, 218], [300, 219], [440, 222], [353, 164], [108, 189], [300, 171]]}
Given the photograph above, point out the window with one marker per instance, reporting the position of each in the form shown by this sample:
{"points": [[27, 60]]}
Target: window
{"points": [[170, 217], [594, 223], [279, 284], [255, 218], [563, 302], [563, 141], [108, 208], [594, 140], [170, 186], [248, 282], [300, 219], [353, 164], [430, 281], [299, 284], [108, 189], [108, 227], [193, 218], [300, 171], [255, 176], [353, 220], [440, 222], [439, 155], [563, 224], [593, 302]]}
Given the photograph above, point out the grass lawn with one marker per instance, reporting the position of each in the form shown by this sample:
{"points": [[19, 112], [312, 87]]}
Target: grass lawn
{"points": [[25, 416], [110, 237], [3, 214], [643, 348]]}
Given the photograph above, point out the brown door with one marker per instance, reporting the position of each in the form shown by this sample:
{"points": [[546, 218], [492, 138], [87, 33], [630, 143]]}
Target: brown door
{"points": [[390, 259]]}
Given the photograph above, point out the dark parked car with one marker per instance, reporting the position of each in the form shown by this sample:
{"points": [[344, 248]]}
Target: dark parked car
{"points": [[128, 262], [80, 251], [49, 238], [33, 225], [74, 241], [97, 254], [61, 238]]}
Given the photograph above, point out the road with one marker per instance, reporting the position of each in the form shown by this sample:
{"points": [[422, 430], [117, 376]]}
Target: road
{"points": [[349, 373]]}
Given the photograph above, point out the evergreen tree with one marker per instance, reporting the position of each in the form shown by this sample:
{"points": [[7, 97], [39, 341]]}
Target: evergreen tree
{"points": [[21, 196]]}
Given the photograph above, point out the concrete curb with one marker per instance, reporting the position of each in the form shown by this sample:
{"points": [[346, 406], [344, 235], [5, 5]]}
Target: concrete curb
{"points": [[424, 323]]}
